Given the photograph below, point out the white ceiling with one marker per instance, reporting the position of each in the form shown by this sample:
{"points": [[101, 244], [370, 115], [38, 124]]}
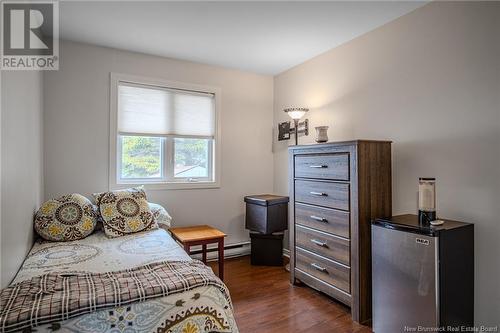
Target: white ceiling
{"points": [[262, 37]]}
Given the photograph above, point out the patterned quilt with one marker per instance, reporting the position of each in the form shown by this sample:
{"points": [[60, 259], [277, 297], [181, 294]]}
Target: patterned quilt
{"points": [[203, 308]]}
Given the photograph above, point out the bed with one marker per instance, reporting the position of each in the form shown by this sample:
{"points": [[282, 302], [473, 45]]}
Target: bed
{"points": [[204, 308]]}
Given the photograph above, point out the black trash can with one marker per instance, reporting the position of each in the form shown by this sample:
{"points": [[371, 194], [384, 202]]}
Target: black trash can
{"points": [[266, 218]]}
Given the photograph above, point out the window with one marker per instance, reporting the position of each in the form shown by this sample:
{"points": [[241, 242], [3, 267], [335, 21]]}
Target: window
{"points": [[163, 134], [141, 157]]}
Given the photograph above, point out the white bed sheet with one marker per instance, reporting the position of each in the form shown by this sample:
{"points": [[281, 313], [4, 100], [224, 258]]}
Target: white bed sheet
{"points": [[97, 253]]}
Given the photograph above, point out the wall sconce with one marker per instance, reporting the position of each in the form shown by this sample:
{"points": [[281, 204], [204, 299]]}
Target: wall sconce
{"points": [[284, 129]]}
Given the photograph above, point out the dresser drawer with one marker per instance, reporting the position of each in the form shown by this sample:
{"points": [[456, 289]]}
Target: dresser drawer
{"points": [[333, 195], [324, 244], [324, 269], [324, 166], [324, 219], [322, 286]]}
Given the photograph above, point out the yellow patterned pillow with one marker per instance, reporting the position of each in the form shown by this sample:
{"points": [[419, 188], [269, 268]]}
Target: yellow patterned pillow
{"points": [[67, 218], [125, 211]]}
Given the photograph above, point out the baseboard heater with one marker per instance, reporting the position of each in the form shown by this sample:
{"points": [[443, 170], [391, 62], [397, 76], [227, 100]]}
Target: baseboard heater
{"points": [[230, 251]]}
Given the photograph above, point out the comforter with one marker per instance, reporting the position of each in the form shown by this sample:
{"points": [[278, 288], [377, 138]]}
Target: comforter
{"points": [[189, 308]]}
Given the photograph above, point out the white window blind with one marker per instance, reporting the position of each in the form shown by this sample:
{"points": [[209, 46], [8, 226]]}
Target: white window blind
{"points": [[162, 111]]}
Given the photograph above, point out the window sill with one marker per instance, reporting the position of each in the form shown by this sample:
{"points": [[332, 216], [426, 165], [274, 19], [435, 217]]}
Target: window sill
{"points": [[153, 186]]}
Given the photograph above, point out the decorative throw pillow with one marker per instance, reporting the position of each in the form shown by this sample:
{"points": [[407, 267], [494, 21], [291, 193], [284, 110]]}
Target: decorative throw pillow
{"points": [[125, 211], [67, 218], [161, 215]]}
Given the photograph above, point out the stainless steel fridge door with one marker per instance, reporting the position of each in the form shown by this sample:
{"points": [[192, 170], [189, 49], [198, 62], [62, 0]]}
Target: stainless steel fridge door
{"points": [[405, 275]]}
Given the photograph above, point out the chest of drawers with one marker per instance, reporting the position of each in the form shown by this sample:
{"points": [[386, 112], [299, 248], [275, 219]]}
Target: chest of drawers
{"points": [[336, 189]]}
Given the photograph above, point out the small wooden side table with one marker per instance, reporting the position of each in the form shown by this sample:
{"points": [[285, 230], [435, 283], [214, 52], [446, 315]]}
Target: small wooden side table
{"points": [[201, 235]]}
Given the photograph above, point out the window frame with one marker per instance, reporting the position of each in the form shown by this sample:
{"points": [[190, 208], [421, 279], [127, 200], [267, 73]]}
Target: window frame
{"points": [[168, 179]]}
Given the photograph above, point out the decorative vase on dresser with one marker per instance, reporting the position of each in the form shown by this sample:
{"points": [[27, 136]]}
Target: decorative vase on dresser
{"points": [[336, 189]]}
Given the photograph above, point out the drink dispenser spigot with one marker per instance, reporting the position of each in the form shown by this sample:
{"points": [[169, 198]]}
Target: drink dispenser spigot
{"points": [[426, 200]]}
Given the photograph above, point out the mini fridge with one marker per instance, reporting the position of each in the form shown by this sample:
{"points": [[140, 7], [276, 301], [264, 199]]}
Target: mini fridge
{"points": [[422, 276]]}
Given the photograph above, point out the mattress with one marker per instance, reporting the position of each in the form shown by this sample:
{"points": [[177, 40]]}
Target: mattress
{"points": [[202, 309]]}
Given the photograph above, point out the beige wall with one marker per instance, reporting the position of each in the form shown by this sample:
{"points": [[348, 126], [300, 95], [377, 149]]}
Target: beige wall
{"points": [[429, 81], [21, 166], [77, 132]]}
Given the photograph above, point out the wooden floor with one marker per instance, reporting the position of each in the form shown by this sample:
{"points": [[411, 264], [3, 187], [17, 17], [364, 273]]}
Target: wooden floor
{"points": [[264, 301]]}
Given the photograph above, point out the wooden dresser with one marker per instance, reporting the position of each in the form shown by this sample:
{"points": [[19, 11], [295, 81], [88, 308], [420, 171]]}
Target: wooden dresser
{"points": [[336, 189]]}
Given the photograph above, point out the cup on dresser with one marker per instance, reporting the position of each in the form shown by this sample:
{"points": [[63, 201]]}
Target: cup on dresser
{"points": [[321, 133]]}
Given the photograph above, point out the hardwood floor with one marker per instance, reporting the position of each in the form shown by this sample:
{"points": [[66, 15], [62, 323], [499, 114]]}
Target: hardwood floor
{"points": [[265, 301]]}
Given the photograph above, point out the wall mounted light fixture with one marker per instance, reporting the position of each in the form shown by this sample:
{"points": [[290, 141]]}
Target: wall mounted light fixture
{"points": [[284, 129]]}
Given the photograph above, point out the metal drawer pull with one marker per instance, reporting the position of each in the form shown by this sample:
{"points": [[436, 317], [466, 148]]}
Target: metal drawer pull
{"points": [[319, 243], [319, 268], [320, 219], [319, 194], [319, 166]]}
